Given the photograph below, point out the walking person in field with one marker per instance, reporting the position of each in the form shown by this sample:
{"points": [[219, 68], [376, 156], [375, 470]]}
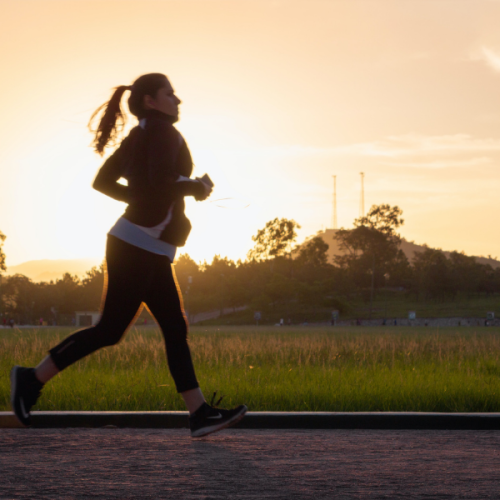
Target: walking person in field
{"points": [[140, 248]]}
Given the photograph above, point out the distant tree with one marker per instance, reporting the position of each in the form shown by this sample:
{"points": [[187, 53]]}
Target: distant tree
{"points": [[432, 273], [383, 218], [373, 244], [313, 252], [280, 289], [489, 280], [465, 273], [372, 248], [274, 240], [67, 297], [217, 281], [185, 266], [237, 292], [312, 294], [399, 272], [18, 293], [92, 289], [3, 267], [9, 294]]}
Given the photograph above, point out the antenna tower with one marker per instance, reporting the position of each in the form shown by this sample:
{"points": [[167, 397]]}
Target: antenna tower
{"points": [[362, 200], [334, 225]]}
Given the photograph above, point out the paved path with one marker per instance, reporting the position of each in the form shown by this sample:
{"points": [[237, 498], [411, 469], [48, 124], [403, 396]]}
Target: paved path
{"points": [[248, 464]]}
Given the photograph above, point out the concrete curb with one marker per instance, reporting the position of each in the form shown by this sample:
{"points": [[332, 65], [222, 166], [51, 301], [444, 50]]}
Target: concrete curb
{"points": [[264, 420]]}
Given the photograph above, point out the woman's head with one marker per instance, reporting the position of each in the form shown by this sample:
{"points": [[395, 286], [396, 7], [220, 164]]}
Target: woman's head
{"points": [[151, 91]]}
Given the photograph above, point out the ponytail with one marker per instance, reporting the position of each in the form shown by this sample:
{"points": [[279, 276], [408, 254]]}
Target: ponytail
{"points": [[111, 123], [112, 119]]}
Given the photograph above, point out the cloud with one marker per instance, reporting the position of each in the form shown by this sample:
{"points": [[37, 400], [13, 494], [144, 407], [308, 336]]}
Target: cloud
{"points": [[414, 144], [438, 164], [487, 55], [411, 145], [412, 150], [403, 145]]}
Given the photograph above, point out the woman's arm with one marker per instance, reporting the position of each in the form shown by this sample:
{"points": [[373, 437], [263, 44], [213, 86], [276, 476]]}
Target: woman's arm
{"points": [[106, 180]]}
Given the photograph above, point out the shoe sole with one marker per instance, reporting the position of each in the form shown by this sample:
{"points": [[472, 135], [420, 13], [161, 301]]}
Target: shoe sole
{"points": [[210, 430], [13, 388]]}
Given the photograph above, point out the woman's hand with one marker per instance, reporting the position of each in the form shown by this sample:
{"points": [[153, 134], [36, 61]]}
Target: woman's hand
{"points": [[207, 191]]}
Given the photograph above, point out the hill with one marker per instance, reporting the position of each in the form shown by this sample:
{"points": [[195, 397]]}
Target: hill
{"points": [[47, 270], [408, 247]]}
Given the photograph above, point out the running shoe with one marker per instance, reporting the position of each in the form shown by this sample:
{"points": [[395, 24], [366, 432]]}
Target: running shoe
{"points": [[25, 390], [208, 419]]}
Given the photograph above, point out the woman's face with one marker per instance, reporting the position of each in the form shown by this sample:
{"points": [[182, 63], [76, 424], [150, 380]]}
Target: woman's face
{"points": [[165, 101]]}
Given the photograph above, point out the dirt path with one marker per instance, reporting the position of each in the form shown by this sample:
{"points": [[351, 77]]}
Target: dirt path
{"points": [[248, 464]]}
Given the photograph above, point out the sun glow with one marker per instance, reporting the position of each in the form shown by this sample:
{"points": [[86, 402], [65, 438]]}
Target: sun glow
{"points": [[277, 97]]}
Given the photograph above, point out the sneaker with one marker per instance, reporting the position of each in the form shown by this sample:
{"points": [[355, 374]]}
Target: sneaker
{"points": [[208, 419], [25, 390]]}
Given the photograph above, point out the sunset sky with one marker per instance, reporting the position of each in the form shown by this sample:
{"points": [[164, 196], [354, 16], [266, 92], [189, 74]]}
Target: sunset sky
{"points": [[278, 96]]}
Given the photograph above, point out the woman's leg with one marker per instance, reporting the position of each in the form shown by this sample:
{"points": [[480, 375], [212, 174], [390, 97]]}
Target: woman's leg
{"points": [[164, 302], [123, 297], [46, 369], [193, 399]]}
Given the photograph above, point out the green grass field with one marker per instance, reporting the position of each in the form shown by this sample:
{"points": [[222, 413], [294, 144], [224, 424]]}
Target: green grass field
{"points": [[276, 369]]}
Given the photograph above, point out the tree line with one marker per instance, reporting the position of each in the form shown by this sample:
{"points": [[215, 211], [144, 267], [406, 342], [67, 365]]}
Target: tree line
{"points": [[279, 276]]}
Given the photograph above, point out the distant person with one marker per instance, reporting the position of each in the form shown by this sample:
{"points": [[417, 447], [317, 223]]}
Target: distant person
{"points": [[12, 322], [41, 321], [140, 249]]}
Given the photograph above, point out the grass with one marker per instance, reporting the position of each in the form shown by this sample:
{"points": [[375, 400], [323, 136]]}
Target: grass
{"points": [[277, 369]]}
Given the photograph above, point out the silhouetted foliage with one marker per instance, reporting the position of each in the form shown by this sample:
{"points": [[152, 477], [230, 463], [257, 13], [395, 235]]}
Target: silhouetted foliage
{"points": [[432, 273], [2, 255], [274, 240], [271, 280], [372, 248], [313, 252]]}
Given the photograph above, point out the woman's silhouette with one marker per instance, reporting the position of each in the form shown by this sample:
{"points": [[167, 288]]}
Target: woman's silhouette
{"points": [[140, 248]]}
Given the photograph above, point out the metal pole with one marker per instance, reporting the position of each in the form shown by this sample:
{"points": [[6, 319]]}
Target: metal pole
{"points": [[362, 200], [334, 222]]}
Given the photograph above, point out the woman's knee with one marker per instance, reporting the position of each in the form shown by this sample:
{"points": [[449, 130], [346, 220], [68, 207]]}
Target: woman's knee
{"points": [[108, 335]]}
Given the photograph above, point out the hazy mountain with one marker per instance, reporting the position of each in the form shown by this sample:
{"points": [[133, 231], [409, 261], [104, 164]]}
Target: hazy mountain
{"points": [[47, 270], [409, 248]]}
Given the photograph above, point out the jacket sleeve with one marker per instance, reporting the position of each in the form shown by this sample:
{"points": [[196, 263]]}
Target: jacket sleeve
{"points": [[164, 146], [106, 180]]}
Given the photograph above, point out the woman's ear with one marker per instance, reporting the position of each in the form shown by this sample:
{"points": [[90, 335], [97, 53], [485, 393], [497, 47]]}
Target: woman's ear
{"points": [[148, 102]]}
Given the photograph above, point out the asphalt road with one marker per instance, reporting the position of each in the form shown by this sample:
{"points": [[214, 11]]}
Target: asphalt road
{"points": [[248, 464]]}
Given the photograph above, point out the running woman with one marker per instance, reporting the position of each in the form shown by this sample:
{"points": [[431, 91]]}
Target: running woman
{"points": [[140, 248]]}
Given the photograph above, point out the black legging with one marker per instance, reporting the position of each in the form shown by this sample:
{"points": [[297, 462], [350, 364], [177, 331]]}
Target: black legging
{"points": [[135, 276]]}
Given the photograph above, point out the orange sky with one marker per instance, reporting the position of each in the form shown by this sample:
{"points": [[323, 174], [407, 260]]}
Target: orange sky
{"points": [[278, 96]]}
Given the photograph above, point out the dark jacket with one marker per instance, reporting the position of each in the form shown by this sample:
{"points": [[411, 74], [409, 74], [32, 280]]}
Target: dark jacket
{"points": [[152, 159]]}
